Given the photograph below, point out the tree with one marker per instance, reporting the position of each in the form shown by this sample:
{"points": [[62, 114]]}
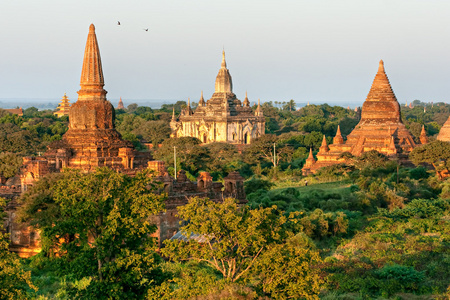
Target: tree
{"points": [[436, 153], [255, 247], [99, 223], [191, 156], [263, 148], [232, 237], [224, 158], [154, 132], [9, 164], [288, 270], [14, 280]]}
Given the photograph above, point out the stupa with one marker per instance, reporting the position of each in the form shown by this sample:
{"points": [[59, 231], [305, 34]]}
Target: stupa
{"points": [[223, 118], [92, 140], [63, 107], [120, 105], [380, 129], [444, 133]]}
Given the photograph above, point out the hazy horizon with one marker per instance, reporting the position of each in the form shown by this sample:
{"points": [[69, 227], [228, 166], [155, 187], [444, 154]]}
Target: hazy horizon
{"points": [[310, 51]]}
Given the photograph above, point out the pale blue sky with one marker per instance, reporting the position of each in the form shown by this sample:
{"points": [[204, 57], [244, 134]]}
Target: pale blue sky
{"points": [[317, 51]]}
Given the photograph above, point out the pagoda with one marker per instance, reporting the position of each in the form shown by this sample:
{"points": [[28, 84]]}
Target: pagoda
{"points": [[380, 129], [444, 133], [63, 107], [92, 140], [120, 105], [223, 118]]}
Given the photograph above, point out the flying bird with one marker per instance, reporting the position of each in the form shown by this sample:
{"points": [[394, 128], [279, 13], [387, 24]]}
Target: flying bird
{"points": [[146, 29], [118, 23]]}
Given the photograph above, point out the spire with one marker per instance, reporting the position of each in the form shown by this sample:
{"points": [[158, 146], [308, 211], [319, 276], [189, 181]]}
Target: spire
{"points": [[423, 136], [201, 102], [120, 105], [381, 67], [337, 140], [258, 111], [381, 105], [173, 113], [392, 148], [188, 110], [246, 102], [324, 147], [310, 161], [224, 63], [224, 83], [92, 81]]}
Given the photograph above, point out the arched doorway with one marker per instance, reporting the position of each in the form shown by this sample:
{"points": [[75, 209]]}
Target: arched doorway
{"points": [[204, 139]]}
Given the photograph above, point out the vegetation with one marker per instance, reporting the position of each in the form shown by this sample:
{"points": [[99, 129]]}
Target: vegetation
{"points": [[364, 230]]}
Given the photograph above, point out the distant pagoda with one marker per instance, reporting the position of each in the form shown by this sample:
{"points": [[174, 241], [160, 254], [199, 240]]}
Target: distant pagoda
{"points": [[63, 107], [120, 105], [380, 129]]}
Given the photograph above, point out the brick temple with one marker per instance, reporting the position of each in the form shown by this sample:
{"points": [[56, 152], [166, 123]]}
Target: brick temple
{"points": [[380, 128]]}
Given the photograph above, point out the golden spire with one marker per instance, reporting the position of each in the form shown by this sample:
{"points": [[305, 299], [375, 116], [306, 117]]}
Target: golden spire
{"points": [[337, 140], [423, 136], [202, 100], [310, 154], [246, 102], [224, 83], [324, 147], [258, 111], [92, 80], [224, 63], [381, 67]]}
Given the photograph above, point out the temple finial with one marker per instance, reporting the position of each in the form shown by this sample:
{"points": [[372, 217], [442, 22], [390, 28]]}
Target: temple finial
{"points": [[224, 63], [189, 102], [381, 67], [92, 28], [173, 113]]}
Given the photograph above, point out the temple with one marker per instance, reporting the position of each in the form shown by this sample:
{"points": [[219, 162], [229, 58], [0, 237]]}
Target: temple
{"points": [[92, 140], [444, 133], [223, 118], [120, 105], [63, 107], [380, 129]]}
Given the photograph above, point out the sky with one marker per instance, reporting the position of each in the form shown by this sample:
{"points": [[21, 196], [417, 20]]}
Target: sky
{"points": [[310, 51]]}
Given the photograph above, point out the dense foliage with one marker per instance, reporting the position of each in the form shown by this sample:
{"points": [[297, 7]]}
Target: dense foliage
{"points": [[369, 228]]}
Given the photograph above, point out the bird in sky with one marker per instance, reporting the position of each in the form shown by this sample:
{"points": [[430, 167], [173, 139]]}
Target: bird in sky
{"points": [[146, 29], [118, 22]]}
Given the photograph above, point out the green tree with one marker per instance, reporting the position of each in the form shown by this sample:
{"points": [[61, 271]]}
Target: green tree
{"points": [[262, 148], [287, 270], [231, 237], [436, 153], [191, 156], [100, 225], [9, 164], [154, 132], [224, 158]]}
